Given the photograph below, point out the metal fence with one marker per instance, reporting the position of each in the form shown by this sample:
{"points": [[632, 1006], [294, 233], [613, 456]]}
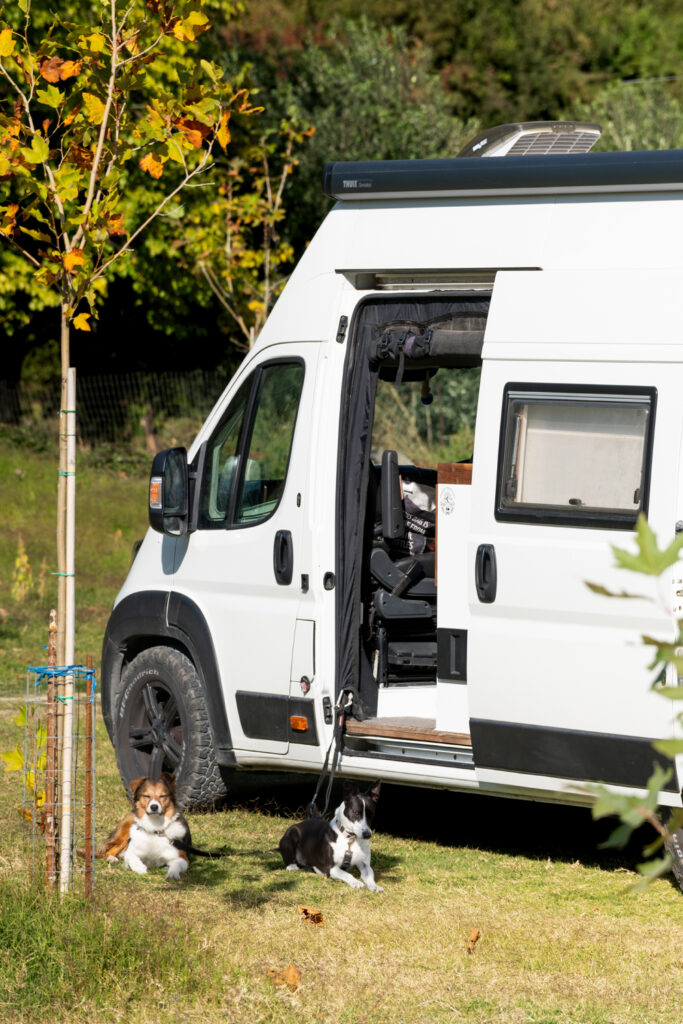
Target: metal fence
{"points": [[120, 408]]}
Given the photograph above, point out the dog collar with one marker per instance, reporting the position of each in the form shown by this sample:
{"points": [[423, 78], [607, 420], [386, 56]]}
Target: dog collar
{"points": [[160, 831], [350, 837]]}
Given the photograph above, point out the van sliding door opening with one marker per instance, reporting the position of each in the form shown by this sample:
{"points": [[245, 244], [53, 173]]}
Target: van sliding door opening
{"points": [[410, 392]]}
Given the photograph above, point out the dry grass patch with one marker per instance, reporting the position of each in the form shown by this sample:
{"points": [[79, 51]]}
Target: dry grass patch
{"points": [[562, 942]]}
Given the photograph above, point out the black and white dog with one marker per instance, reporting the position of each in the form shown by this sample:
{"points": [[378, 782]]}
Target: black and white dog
{"points": [[335, 847]]}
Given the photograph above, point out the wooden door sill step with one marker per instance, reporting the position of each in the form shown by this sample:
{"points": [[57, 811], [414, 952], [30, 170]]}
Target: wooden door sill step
{"points": [[421, 730]]}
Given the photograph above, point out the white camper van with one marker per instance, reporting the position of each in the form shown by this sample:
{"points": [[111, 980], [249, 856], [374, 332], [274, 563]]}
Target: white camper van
{"points": [[324, 540]]}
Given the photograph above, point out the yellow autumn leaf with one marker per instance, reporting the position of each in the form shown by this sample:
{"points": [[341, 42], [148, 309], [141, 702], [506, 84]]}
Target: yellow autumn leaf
{"points": [[8, 222], [14, 760], [73, 259], [6, 42], [95, 42], [187, 29], [223, 133], [152, 165], [80, 322], [94, 106]]}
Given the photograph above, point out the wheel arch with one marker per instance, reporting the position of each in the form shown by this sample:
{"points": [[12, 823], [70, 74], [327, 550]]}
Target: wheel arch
{"points": [[155, 618]]}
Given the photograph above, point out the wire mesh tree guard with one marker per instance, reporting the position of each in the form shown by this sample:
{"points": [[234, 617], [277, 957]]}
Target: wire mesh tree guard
{"points": [[59, 791]]}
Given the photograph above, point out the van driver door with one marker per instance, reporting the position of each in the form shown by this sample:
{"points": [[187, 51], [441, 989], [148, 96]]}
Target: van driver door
{"points": [[245, 565]]}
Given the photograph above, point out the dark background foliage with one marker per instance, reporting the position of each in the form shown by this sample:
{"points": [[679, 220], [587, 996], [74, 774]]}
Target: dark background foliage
{"points": [[382, 81]]}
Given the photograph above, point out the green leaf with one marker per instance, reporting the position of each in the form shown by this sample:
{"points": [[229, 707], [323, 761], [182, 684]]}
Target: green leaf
{"points": [[214, 72], [597, 588], [39, 236], [39, 151], [672, 692], [669, 747], [51, 96], [653, 847], [21, 718], [650, 560], [651, 871]]}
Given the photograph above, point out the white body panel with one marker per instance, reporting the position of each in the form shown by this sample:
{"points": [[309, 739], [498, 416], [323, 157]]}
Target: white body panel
{"points": [[587, 292]]}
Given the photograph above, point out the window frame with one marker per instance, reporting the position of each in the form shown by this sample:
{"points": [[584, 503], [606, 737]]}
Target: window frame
{"points": [[591, 519], [245, 434]]}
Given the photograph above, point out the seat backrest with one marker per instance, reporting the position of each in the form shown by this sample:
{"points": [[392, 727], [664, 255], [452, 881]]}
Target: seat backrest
{"points": [[393, 519]]}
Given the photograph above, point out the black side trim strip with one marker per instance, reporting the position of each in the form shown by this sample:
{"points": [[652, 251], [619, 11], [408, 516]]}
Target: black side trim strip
{"points": [[265, 716], [566, 753]]}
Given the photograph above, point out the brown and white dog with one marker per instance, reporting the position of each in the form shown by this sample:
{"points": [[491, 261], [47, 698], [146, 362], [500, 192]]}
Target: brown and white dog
{"points": [[154, 833]]}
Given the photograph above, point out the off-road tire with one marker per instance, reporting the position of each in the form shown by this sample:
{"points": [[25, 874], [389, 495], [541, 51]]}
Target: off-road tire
{"points": [[674, 847], [162, 725]]}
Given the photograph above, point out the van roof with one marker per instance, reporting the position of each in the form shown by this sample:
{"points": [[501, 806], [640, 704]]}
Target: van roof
{"points": [[637, 171]]}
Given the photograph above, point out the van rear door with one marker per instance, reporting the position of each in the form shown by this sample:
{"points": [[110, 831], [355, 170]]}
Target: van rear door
{"points": [[578, 429]]}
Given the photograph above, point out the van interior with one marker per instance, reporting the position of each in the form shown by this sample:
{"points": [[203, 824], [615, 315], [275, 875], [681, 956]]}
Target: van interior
{"points": [[412, 388]]}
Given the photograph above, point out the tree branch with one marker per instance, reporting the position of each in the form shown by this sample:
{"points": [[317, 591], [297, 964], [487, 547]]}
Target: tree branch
{"points": [[78, 237], [155, 213]]}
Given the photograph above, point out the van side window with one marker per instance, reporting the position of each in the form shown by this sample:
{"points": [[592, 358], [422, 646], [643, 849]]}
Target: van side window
{"points": [[575, 456], [247, 457], [269, 442], [221, 463]]}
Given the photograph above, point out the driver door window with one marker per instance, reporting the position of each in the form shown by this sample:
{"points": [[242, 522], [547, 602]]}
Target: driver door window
{"points": [[246, 460]]}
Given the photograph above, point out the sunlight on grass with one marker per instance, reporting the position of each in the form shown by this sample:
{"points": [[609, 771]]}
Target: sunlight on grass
{"points": [[562, 942]]}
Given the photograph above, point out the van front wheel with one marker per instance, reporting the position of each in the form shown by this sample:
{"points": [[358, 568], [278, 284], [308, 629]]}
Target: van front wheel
{"points": [[162, 725]]}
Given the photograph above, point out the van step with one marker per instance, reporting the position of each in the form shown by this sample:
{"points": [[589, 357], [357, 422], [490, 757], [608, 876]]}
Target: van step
{"points": [[408, 728]]}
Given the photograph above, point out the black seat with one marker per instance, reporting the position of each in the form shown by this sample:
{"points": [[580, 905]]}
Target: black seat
{"points": [[404, 603]]}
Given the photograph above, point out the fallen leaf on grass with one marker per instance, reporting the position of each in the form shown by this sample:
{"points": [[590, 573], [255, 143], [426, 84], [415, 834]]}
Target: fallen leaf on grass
{"points": [[290, 977], [311, 916], [475, 935]]}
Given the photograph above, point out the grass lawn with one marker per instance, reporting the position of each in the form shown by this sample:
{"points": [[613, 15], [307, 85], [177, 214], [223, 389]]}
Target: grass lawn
{"points": [[561, 939], [111, 513]]}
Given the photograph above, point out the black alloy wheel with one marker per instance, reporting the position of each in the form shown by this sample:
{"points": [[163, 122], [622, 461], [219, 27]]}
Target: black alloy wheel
{"points": [[162, 725]]}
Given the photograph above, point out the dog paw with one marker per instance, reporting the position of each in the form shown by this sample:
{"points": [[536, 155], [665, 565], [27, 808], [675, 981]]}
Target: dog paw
{"points": [[175, 870], [292, 867], [356, 883], [375, 888], [111, 860]]}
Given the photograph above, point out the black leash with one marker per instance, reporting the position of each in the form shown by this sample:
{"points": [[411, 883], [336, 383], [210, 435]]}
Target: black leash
{"points": [[342, 709]]}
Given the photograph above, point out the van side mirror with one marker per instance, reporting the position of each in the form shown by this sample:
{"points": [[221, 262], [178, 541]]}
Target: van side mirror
{"points": [[168, 493]]}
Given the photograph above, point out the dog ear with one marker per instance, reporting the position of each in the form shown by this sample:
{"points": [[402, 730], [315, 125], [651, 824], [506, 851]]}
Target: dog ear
{"points": [[169, 779], [373, 792], [136, 784], [350, 789]]}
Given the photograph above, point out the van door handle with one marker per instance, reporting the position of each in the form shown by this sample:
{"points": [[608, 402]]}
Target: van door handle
{"points": [[485, 573], [283, 557]]}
